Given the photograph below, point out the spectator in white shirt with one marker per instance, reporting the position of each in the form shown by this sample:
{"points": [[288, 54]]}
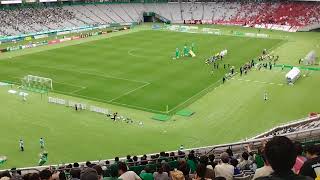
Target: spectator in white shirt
{"points": [[125, 174], [223, 169]]}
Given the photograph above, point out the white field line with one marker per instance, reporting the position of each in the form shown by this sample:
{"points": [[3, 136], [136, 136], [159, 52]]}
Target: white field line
{"points": [[78, 90], [262, 82], [133, 55], [56, 82], [131, 91], [99, 74], [193, 96]]}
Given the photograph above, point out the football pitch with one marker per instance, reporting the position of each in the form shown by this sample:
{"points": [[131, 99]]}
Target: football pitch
{"points": [[133, 73], [137, 70]]}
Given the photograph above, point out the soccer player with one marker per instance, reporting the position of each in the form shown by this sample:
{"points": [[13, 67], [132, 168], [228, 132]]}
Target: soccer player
{"points": [[181, 148], [41, 143], [24, 96], [43, 158], [265, 96], [185, 50], [192, 47], [21, 145], [177, 53], [3, 159]]}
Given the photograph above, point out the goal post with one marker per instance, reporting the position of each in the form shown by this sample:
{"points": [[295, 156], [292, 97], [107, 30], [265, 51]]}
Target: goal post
{"points": [[37, 82]]}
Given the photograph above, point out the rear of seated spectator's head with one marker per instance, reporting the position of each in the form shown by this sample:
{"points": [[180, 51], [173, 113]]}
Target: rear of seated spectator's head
{"points": [[245, 155], [76, 165], [99, 170], [89, 174], [191, 156], [62, 175], [224, 157], [5, 174], [122, 168], [204, 160], [116, 159], [234, 162], [147, 169], [45, 174], [75, 173], [312, 151], [229, 151], [298, 147], [281, 154], [88, 163], [220, 178], [135, 158], [114, 170], [34, 176], [201, 171], [211, 157]]}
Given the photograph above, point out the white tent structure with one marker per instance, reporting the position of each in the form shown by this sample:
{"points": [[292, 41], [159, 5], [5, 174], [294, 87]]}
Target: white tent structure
{"points": [[293, 75], [310, 58]]}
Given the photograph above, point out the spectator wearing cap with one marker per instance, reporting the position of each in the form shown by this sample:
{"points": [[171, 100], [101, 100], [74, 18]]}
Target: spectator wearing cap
{"points": [[281, 155], [223, 169], [89, 174], [312, 166], [125, 174]]}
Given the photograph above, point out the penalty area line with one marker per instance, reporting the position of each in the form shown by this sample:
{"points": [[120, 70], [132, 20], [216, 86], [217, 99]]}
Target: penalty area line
{"points": [[131, 91]]}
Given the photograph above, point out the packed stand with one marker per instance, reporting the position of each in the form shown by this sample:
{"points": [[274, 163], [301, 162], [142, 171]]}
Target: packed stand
{"points": [[27, 20], [279, 158]]}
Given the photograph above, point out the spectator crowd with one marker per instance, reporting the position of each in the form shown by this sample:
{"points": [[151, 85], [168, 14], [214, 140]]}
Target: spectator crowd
{"points": [[278, 159]]}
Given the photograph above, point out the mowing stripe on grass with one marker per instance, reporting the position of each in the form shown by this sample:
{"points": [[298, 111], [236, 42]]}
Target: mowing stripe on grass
{"points": [[100, 74]]}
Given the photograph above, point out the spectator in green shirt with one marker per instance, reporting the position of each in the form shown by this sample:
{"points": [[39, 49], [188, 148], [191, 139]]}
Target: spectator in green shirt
{"points": [[146, 174], [191, 162], [258, 158]]}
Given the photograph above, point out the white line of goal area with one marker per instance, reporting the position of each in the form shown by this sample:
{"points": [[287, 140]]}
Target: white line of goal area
{"points": [[72, 93]]}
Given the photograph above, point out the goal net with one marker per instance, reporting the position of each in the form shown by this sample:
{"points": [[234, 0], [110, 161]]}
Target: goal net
{"points": [[36, 82]]}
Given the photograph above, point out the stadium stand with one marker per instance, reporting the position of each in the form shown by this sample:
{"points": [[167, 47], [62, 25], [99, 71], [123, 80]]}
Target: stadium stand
{"points": [[244, 157], [281, 15]]}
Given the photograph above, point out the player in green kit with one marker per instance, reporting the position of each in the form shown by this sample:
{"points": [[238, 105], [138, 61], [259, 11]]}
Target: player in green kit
{"points": [[41, 143], [3, 159], [185, 50], [43, 158], [177, 53]]}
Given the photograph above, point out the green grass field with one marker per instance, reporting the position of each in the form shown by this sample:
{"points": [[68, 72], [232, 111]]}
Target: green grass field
{"points": [[130, 69], [133, 73]]}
